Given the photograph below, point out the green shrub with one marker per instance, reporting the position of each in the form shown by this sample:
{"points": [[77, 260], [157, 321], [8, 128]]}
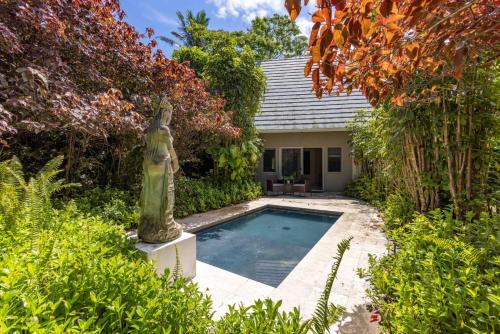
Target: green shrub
{"points": [[191, 196], [113, 205], [442, 279], [398, 211], [261, 317], [61, 271], [367, 189], [199, 195]]}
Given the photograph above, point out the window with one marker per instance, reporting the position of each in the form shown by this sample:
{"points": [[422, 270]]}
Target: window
{"points": [[334, 159], [290, 161], [270, 160]]}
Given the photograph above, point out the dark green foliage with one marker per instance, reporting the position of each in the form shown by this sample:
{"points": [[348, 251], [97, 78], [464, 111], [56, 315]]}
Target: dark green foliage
{"points": [[113, 205], [443, 277], [191, 196], [398, 211], [231, 72], [367, 189], [199, 195], [275, 37], [64, 272]]}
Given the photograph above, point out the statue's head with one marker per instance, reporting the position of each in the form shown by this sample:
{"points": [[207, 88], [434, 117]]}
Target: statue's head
{"points": [[166, 110], [163, 111]]}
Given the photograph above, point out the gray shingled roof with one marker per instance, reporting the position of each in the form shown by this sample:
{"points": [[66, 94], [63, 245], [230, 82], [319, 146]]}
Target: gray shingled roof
{"points": [[289, 103]]}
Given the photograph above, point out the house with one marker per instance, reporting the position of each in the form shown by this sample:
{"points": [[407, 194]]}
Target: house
{"points": [[303, 135]]}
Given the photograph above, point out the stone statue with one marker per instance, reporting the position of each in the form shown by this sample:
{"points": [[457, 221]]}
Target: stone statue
{"points": [[157, 223]]}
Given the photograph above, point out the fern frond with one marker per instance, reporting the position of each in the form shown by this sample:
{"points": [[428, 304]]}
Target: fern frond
{"points": [[51, 167], [467, 252], [177, 273], [326, 314]]}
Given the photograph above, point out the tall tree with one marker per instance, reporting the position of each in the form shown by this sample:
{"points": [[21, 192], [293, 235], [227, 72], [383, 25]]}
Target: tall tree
{"points": [[231, 72], [275, 37], [184, 36]]}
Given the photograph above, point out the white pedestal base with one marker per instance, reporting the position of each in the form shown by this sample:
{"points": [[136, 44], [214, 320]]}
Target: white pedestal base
{"points": [[163, 255]]}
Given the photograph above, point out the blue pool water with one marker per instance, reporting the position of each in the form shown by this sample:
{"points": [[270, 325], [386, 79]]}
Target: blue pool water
{"points": [[264, 246]]}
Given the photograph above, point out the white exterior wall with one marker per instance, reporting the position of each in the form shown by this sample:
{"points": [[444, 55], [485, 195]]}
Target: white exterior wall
{"points": [[332, 181]]}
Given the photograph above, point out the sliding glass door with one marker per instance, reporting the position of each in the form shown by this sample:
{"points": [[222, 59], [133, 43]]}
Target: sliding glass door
{"points": [[290, 162]]}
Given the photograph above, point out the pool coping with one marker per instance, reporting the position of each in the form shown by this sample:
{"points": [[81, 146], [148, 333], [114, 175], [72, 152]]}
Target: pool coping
{"points": [[224, 220]]}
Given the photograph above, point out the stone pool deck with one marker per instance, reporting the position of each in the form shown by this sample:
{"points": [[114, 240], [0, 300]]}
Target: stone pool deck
{"points": [[304, 285]]}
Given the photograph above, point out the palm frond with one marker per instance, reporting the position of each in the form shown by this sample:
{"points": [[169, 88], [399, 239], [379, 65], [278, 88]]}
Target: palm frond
{"points": [[181, 19], [168, 40]]}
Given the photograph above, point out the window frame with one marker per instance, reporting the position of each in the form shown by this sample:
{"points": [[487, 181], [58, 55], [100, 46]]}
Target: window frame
{"points": [[328, 156]]}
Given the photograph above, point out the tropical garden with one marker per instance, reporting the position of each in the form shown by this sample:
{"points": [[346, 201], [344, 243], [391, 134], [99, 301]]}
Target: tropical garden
{"points": [[77, 89]]}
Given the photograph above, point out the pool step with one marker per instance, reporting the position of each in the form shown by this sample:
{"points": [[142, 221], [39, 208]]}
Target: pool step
{"points": [[273, 272]]}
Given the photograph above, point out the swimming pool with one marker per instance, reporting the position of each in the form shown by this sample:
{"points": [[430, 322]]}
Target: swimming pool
{"points": [[264, 246]]}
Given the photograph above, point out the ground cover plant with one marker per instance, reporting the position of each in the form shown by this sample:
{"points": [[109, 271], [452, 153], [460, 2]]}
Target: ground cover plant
{"points": [[443, 276], [65, 272]]}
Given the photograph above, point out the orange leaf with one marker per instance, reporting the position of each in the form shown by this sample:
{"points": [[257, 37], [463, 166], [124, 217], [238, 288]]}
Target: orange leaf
{"points": [[366, 27], [317, 17], [327, 15], [307, 69], [325, 39], [338, 38], [326, 69], [315, 78], [316, 52], [293, 7], [392, 19], [329, 85], [398, 100], [314, 33], [459, 61], [386, 8], [412, 50], [389, 35]]}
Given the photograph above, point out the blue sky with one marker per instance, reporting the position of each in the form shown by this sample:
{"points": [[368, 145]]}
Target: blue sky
{"points": [[224, 14]]}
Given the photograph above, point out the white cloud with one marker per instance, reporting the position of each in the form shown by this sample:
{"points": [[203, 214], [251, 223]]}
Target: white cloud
{"points": [[247, 9], [305, 24], [250, 9]]}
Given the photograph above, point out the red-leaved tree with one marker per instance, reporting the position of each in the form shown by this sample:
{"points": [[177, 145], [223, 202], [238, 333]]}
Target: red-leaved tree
{"points": [[377, 45], [75, 78]]}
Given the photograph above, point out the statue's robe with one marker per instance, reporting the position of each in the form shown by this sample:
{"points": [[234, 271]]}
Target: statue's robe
{"points": [[157, 223]]}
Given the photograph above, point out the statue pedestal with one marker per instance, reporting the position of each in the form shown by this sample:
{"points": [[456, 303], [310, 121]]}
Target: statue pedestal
{"points": [[163, 255]]}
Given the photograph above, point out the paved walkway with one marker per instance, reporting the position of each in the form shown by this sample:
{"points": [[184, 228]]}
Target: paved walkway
{"points": [[304, 285]]}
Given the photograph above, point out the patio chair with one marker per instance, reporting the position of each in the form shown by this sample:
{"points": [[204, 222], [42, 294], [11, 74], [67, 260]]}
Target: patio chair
{"points": [[275, 187], [301, 186]]}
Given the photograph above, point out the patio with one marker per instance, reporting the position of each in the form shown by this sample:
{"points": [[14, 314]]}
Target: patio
{"points": [[304, 285]]}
